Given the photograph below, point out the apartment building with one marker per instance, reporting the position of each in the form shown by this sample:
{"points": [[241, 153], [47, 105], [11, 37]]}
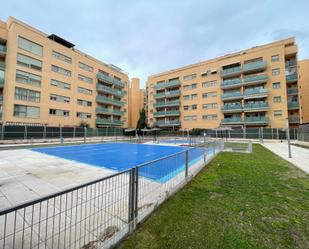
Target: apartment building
{"points": [[45, 80], [136, 101], [259, 87]]}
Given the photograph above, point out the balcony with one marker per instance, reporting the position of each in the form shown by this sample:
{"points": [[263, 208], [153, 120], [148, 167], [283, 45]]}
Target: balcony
{"points": [[167, 103], [292, 91], [1, 80], [232, 83], [234, 120], [294, 119], [229, 72], [231, 96], [291, 78], [1, 98], [110, 80], [166, 113], [255, 79], [290, 64], [256, 66], [231, 108], [170, 123], [105, 100], [106, 89], [105, 121], [102, 110], [256, 107], [293, 105], [262, 120], [169, 94], [2, 50], [172, 83], [255, 93]]}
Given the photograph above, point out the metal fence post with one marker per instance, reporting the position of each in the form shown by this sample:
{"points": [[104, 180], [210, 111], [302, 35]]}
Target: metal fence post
{"points": [[25, 132], [272, 133], [133, 198], [44, 132], [74, 130], [277, 133], [250, 147], [85, 134], [60, 133], [288, 137], [294, 133], [187, 164], [2, 131], [262, 135], [244, 132]]}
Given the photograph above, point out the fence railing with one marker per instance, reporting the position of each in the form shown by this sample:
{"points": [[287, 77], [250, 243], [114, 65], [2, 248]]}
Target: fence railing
{"points": [[99, 213]]}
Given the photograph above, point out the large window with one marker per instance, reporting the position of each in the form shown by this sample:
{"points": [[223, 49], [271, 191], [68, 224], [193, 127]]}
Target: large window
{"points": [[190, 87], [209, 83], [277, 99], [210, 117], [60, 84], [85, 67], [83, 115], [210, 106], [30, 46], [59, 98], [275, 57], [277, 113], [84, 78], [61, 70], [26, 111], [62, 57], [189, 77], [276, 71], [27, 95], [57, 112], [190, 107], [84, 102], [28, 78], [209, 94], [84, 90], [29, 62], [190, 97], [276, 85], [190, 118]]}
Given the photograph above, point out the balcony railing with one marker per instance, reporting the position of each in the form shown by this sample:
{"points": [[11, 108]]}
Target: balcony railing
{"points": [[294, 119], [231, 83], [2, 49], [167, 113], [1, 98], [167, 123], [172, 83], [167, 94], [110, 80], [293, 105], [256, 106], [290, 63], [106, 89], [230, 71], [291, 78], [233, 95], [255, 79], [102, 110], [1, 80], [231, 108], [105, 121], [254, 66], [256, 120], [257, 92], [167, 103], [293, 90], [102, 99], [233, 120]]}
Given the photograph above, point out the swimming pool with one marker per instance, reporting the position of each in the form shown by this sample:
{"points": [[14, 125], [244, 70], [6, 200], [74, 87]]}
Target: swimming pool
{"points": [[123, 156]]}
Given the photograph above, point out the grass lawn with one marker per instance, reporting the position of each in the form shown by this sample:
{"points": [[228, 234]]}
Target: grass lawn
{"points": [[239, 201]]}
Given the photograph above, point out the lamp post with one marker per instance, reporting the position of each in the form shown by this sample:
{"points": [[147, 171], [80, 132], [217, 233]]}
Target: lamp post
{"points": [[288, 137]]}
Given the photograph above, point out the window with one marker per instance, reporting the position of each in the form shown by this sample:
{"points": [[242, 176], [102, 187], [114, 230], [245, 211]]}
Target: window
{"points": [[277, 113], [276, 71], [84, 90], [56, 112], [61, 57], [210, 106], [28, 78], [83, 115], [210, 83], [275, 57], [210, 117], [276, 85], [60, 84], [190, 107], [26, 111], [190, 97], [61, 70], [84, 102], [277, 99], [209, 94], [190, 118], [30, 46], [27, 95], [189, 77], [190, 87], [29, 62], [84, 78], [59, 98], [85, 67]]}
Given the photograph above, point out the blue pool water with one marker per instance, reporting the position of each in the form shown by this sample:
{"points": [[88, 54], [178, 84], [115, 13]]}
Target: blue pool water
{"points": [[123, 156]]}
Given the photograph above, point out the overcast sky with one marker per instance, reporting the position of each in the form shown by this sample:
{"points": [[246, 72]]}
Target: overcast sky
{"points": [[147, 37]]}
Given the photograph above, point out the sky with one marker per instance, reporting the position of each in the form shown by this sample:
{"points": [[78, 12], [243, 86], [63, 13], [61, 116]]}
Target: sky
{"points": [[152, 36]]}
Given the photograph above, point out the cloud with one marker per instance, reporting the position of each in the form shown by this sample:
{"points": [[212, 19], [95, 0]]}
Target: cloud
{"points": [[146, 37]]}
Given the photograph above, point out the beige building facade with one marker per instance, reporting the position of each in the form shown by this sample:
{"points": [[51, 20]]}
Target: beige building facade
{"points": [[257, 87], [44, 80], [136, 101]]}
